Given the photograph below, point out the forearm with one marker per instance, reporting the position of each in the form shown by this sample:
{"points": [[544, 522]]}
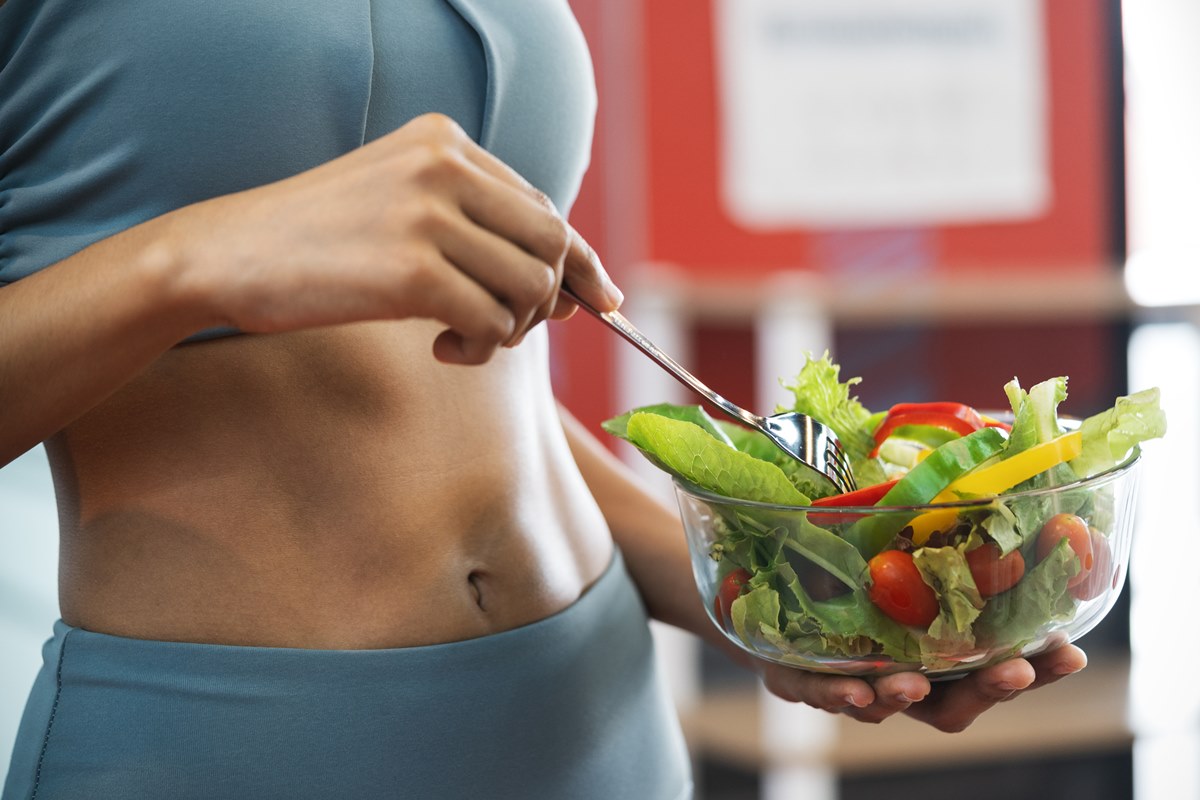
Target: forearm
{"points": [[421, 223], [74, 333], [650, 535]]}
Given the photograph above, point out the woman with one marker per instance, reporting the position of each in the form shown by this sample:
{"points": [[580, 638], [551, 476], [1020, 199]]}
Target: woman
{"points": [[275, 284]]}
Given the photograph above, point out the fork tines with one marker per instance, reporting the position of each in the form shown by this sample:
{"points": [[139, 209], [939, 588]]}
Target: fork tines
{"points": [[838, 463]]}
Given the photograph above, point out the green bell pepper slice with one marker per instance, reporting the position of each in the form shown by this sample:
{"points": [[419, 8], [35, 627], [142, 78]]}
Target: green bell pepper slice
{"points": [[922, 484]]}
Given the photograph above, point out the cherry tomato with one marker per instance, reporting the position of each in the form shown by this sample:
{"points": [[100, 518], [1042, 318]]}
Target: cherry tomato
{"points": [[1075, 530], [899, 591], [731, 587], [1101, 576], [993, 574]]}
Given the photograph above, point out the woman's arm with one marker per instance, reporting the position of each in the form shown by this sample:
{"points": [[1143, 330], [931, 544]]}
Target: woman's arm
{"points": [[651, 538], [74, 333], [419, 223], [650, 535]]}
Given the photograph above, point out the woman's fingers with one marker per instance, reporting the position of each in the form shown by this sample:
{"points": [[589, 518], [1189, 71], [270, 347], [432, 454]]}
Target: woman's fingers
{"points": [[514, 209], [578, 265], [854, 697], [831, 693], [533, 226], [477, 322], [514, 277], [894, 694], [1057, 664], [451, 347], [956, 704], [949, 706]]}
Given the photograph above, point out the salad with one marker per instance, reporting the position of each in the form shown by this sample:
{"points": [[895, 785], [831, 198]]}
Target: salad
{"points": [[971, 536]]}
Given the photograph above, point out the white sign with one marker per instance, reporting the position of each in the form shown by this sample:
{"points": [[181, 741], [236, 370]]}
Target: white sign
{"points": [[877, 113]]}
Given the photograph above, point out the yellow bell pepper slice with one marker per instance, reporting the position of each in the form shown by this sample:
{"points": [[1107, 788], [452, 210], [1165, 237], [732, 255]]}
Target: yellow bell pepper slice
{"points": [[1003, 475], [994, 479], [931, 522]]}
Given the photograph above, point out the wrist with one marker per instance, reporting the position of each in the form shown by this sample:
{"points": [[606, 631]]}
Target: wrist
{"points": [[172, 265]]}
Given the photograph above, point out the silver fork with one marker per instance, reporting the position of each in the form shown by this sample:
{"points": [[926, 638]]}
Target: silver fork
{"points": [[809, 442]]}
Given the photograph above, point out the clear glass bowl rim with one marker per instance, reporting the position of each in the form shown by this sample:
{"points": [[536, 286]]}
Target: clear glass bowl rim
{"points": [[1099, 479]]}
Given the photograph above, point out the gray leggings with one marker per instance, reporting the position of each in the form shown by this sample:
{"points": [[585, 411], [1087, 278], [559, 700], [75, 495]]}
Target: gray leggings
{"points": [[567, 707]]}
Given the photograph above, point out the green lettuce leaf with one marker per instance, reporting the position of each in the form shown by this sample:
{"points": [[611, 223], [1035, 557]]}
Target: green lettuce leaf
{"points": [[1004, 527], [849, 625], [820, 395], [778, 612], [1013, 618], [756, 613], [688, 451], [1110, 435], [756, 443], [827, 550], [945, 569], [1035, 413], [618, 426]]}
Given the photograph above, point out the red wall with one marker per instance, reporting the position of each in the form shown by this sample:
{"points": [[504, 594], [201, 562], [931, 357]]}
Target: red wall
{"points": [[671, 113], [582, 350], [688, 226]]}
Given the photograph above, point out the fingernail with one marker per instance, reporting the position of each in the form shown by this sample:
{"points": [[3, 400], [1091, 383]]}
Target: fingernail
{"points": [[851, 700], [614, 295], [1005, 686], [1065, 669], [904, 697]]}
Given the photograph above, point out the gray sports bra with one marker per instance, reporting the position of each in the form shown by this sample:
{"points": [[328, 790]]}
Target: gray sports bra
{"points": [[112, 113]]}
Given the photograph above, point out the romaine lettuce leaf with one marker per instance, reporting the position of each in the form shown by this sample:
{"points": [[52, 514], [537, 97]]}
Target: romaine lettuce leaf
{"points": [[618, 426], [688, 451], [756, 443]]}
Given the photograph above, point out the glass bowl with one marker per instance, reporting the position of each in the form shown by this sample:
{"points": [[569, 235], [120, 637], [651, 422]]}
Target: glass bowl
{"points": [[785, 584]]}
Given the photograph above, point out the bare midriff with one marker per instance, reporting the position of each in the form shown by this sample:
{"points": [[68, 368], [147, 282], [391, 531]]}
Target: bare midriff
{"points": [[335, 488]]}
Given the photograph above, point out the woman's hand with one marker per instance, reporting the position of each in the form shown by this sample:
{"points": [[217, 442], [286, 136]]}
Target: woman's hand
{"points": [[948, 706], [420, 223]]}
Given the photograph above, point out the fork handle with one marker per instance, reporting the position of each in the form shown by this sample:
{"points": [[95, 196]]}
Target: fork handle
{"points": [[617, 321]]}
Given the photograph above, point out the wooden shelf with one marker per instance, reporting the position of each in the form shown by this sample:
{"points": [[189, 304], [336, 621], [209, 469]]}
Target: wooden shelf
{"points": [[1087, 712]]}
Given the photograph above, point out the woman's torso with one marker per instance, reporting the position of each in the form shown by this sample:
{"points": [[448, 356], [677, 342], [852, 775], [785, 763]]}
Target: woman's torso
{"points": [[331, 488]]}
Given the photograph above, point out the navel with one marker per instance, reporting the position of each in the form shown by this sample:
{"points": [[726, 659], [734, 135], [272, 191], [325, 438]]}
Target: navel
{"points": [[475, 579]]}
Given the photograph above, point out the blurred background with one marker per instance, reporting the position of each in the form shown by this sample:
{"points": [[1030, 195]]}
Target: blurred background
{"points": [[944, 194]]}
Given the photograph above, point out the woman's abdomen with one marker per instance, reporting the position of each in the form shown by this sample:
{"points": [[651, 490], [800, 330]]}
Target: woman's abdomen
{"points": [[330, 489]]}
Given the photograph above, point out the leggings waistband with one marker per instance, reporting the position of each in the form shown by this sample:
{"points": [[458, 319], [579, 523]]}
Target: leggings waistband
{"points": [[570, 706]]}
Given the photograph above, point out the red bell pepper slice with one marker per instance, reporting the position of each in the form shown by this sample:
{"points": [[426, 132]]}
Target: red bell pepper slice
{"points": [[937, 407], [958, 417], [866, 496]]}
